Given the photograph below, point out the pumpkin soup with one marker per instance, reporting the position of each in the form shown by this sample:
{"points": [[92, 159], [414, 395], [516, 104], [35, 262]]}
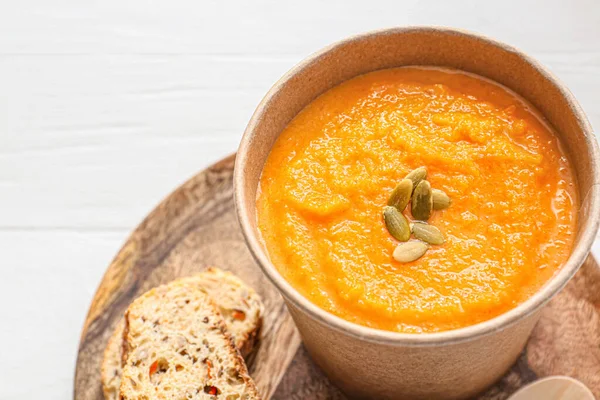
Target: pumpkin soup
{"points": [[332, 172]]}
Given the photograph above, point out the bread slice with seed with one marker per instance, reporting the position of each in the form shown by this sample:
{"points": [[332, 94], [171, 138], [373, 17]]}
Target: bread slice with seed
{"points": [[112, 363], [239, 304], [177, 347]]}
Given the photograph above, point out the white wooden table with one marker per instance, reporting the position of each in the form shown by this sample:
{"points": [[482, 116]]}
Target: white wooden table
{"points": [[106, 106]]}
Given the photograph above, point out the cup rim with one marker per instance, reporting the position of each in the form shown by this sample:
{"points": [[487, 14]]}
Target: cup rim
{"points": [[578, 255]]}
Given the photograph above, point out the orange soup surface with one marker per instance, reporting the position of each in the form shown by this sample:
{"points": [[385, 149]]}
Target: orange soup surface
{"points": [[509, 228]]}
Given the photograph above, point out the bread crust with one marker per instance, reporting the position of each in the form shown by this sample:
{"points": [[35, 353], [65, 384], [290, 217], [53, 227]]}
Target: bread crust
{"points": [[112, 363]]}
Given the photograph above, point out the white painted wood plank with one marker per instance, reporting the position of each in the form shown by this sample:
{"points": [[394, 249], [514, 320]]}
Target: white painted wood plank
{"points": [[49, 278], [98, 141], [278, 27]]}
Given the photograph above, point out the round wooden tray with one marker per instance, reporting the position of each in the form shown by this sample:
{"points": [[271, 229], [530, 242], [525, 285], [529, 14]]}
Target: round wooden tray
{"points": [[196, 227]]}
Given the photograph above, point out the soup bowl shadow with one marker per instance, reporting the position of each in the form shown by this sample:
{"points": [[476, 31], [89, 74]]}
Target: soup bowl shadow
{"points": [[368, 363]]}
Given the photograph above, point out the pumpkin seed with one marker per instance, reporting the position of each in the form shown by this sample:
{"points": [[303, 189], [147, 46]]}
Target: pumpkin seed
{"points": [[422, 201], [417, 175], [396, 223], [410, 251], [440, 199], [401, 195], [428, 233]]}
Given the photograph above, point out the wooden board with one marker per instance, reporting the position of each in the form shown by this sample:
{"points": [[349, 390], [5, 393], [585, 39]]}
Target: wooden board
{"points": [[196, 227]]}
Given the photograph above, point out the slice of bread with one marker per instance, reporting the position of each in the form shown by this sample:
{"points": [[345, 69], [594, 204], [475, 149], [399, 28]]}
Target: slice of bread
{"points": [[112, 363], [177, 347], [240, 306]]}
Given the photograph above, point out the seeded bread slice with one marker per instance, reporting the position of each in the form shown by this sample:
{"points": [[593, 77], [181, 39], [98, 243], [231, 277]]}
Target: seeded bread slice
{"points": [[240, 306], [111, 364], [177, 347]]}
